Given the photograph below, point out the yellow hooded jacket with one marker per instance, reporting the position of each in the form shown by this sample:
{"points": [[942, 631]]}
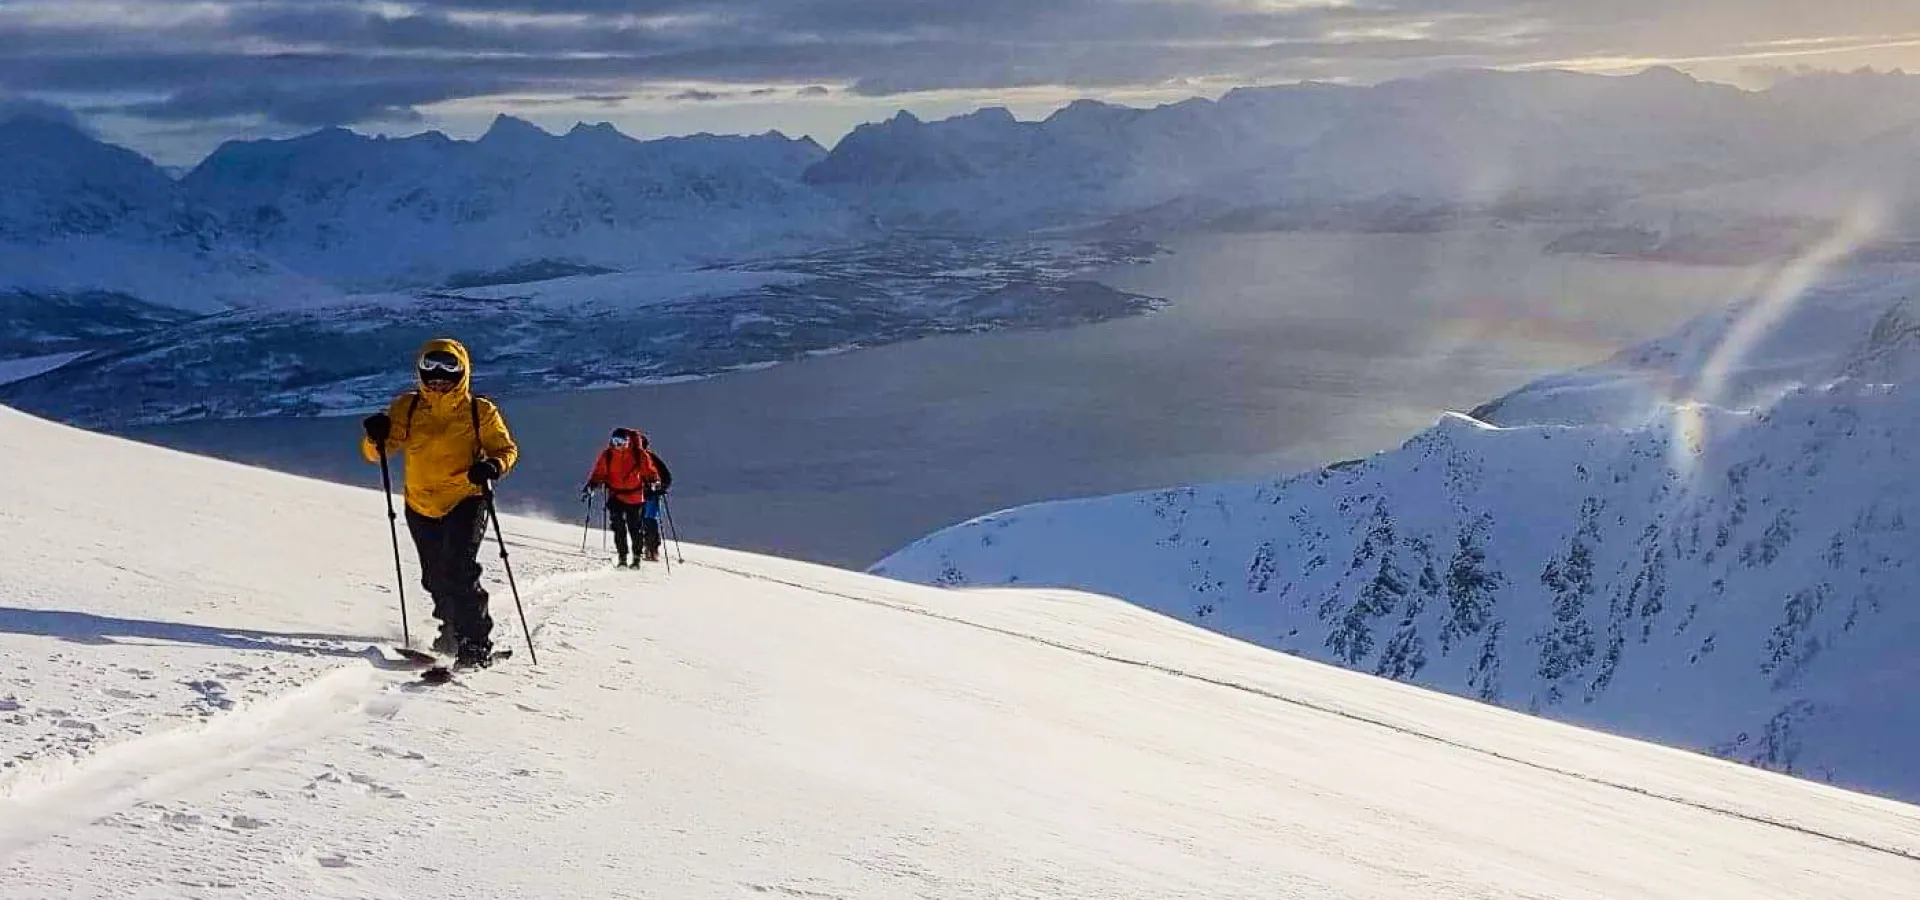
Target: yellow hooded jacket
{"points": [[439, 443]]}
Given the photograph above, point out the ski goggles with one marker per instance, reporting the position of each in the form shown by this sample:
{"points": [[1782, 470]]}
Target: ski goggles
{"points": [[618, 440], [445, 367]]}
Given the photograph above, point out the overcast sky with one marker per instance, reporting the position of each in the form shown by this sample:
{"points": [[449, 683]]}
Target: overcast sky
{"points": [[172, 78]]}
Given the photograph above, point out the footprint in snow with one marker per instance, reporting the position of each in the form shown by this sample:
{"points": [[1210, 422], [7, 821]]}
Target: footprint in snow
{"points": [[212, 693], [396, 753], [182, 819], [363, 782], [376, 788]]}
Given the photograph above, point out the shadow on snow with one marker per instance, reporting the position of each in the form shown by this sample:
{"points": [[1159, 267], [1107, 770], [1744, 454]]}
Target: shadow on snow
{"points": [[87, 628]]}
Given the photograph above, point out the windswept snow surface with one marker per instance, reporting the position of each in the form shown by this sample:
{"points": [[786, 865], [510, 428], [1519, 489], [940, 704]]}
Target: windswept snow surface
{"points": [[186, 714]]}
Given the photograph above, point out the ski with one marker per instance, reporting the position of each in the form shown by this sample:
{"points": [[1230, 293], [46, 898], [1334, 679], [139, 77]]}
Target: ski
{"points": [[442, 672], [417, 656], [409, 658]]}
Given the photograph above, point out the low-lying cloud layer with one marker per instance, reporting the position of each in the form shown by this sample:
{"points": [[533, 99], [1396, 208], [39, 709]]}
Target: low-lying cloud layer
{"points": [[306, 63]]}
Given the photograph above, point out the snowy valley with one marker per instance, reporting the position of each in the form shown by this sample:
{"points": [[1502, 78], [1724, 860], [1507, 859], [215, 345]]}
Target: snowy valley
{"points": [[1705, 541], [210, 714]]}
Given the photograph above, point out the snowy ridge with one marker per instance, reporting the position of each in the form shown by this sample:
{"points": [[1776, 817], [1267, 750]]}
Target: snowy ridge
{"points": [[1655, 163], [102, 228], [375, 214], [195, 715], [1407, 154], [1729, 580]]}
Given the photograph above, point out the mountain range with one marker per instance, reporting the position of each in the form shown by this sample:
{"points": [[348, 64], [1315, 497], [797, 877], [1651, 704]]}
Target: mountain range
{"points": [[103, 252], [339, 211]]}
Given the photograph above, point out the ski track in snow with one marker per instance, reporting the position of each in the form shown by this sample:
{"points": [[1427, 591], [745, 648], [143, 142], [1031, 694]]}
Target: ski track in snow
{"points": [[41, 798]]}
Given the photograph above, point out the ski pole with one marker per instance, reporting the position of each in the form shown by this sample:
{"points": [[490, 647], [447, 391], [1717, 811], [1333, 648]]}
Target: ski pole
{"points": [[586, 527], [393, 530], [672, 528], [664, 557], [486, 490]]}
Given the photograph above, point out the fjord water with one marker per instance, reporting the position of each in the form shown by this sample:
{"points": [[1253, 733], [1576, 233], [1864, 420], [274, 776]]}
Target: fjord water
{"points": [[1280, 352]]}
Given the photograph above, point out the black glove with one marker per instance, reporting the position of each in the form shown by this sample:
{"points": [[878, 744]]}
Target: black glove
{"points": [[483, 471], [586, 492], [378, 426]]}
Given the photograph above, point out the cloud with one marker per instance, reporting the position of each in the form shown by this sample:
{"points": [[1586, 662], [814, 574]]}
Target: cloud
{"points": [[314, 104], [324, 62]]}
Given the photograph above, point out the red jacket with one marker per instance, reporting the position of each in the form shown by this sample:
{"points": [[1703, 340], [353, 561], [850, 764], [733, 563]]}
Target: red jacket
{"points": [[626, 471]]}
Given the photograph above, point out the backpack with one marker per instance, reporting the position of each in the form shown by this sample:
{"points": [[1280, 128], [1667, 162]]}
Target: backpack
{"points": [[473, 406], [633, 447]]}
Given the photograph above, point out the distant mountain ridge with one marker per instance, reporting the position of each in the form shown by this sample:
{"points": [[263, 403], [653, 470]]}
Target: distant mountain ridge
{"points": [[375, 213], [98, 245], [338, 211]]}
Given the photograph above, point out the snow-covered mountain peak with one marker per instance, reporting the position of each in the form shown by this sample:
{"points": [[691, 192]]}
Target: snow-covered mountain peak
{"points": [[56, 181], [508, 129], [95, 241], [371, 214], [997, 115], [28, 129]]}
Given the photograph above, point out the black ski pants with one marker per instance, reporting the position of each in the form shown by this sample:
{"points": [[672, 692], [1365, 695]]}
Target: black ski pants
{"points": [[624, 519], [449, 549]]}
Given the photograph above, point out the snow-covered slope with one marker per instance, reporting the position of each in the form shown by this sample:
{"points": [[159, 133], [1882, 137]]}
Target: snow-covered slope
{"points": [[1705, 541], [189, 713], [376, 213]]}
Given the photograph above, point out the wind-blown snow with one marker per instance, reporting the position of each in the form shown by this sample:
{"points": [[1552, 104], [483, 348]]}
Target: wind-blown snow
{"points": [[1720, 562], [188, 713]]}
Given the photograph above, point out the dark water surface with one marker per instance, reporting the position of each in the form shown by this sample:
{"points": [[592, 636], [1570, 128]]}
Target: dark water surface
{"points": [[1280, 352]]}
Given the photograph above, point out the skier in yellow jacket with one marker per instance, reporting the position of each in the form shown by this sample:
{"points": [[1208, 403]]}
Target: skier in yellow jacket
{"points": [[453, 443]]}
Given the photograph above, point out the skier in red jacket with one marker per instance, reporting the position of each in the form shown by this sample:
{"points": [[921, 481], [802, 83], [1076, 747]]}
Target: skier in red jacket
{"points": [[630, 477]]}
